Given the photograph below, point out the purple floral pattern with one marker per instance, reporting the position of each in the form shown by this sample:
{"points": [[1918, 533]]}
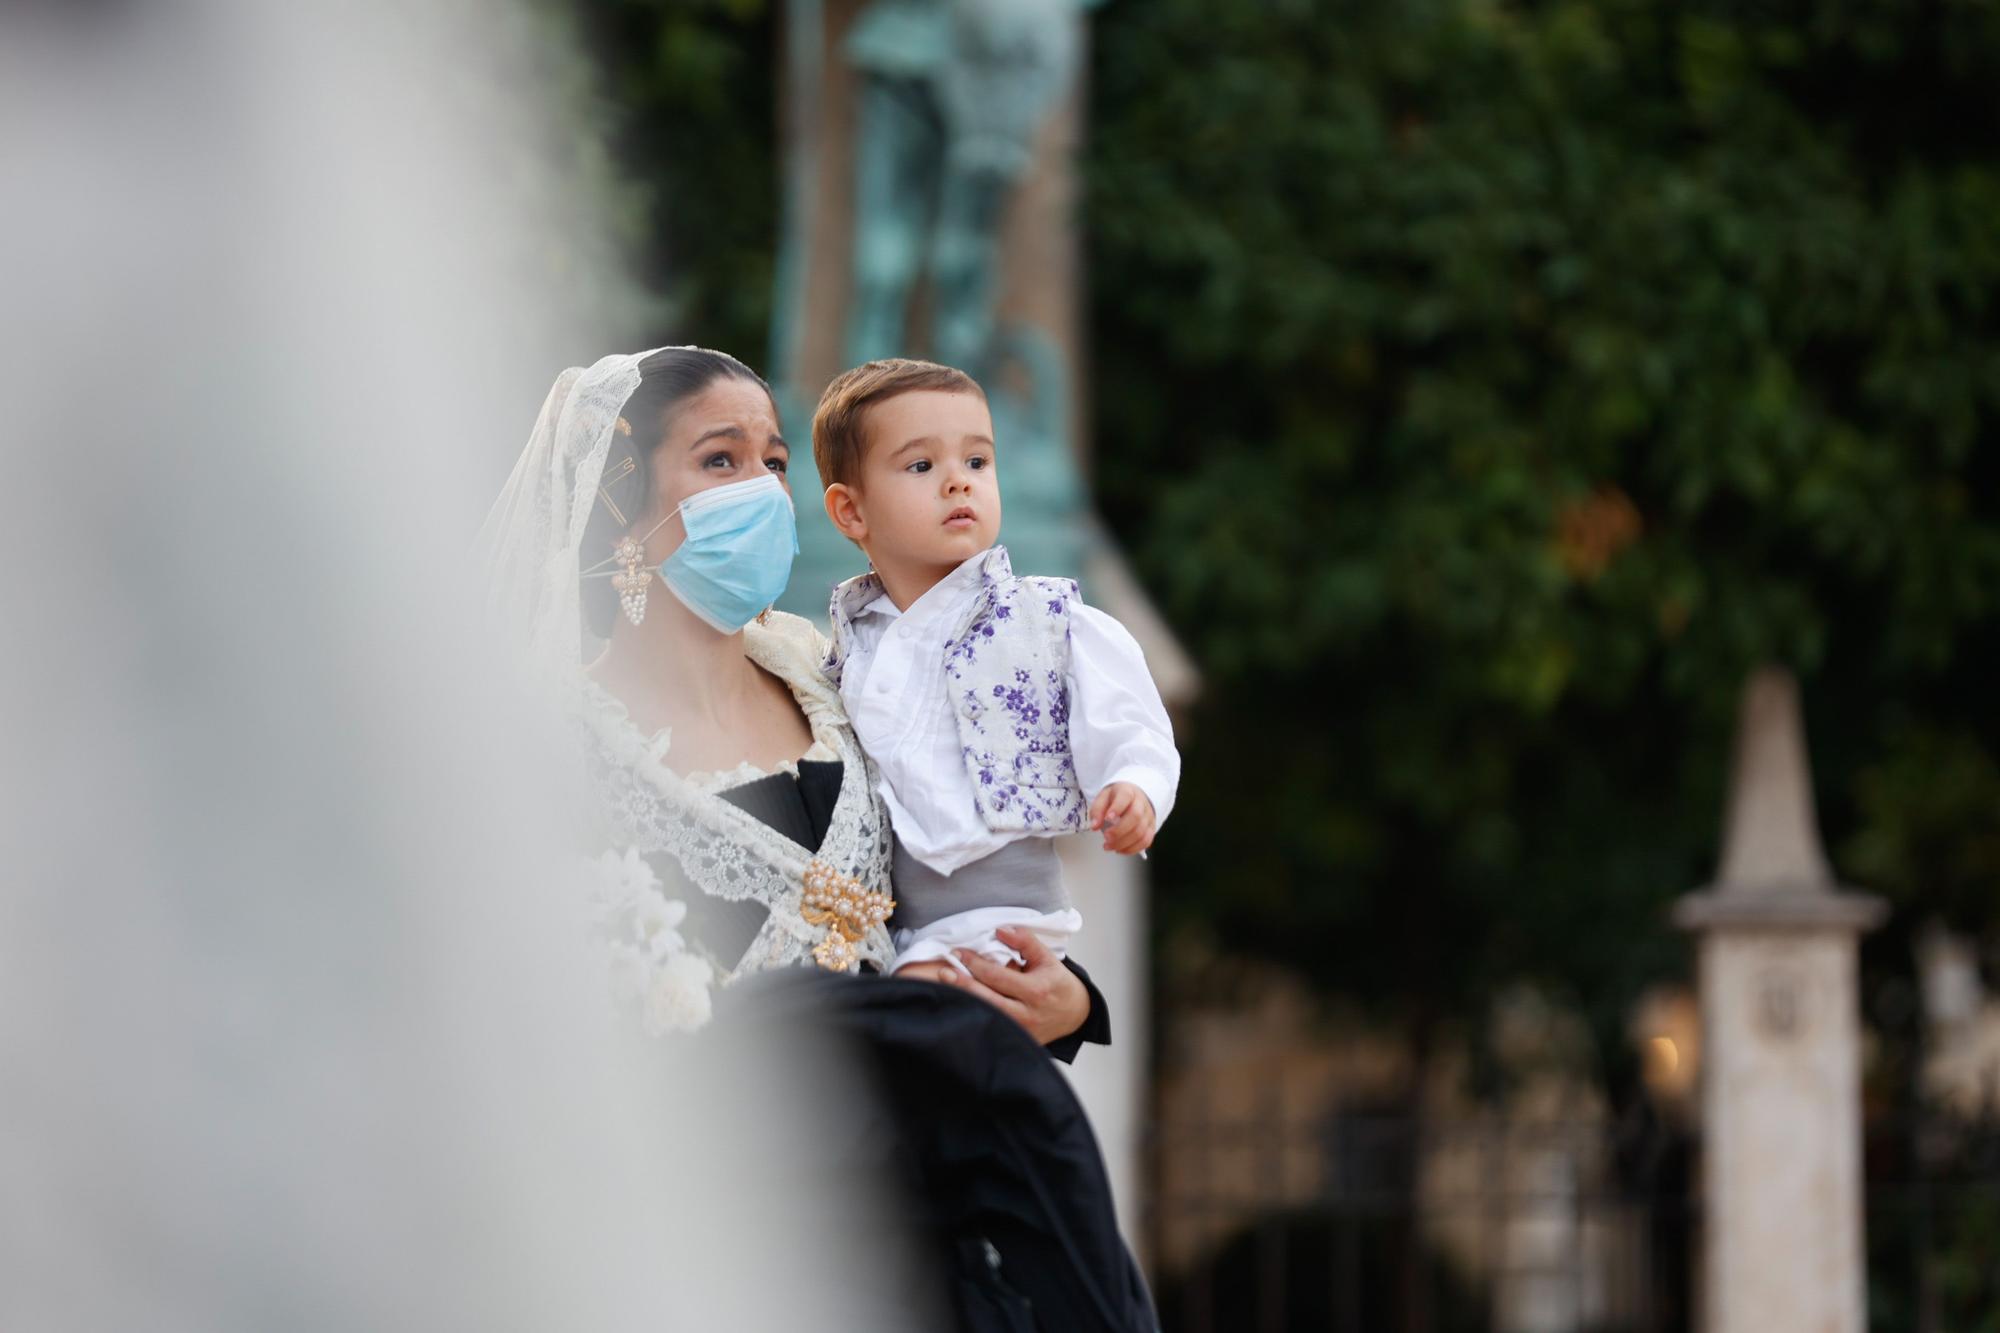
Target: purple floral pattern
{"points": [[1008, 663], [1009, 666]]}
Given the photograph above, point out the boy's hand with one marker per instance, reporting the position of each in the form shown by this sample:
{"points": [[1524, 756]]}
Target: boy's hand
{"points": [[1126, 816]]}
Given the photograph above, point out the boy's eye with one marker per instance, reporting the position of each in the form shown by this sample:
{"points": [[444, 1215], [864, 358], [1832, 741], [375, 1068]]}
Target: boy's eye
{"points": [[977, 462], [921, 465]]}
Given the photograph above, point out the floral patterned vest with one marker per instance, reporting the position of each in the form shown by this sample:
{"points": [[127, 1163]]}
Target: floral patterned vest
{"points": [[1008, 664]]}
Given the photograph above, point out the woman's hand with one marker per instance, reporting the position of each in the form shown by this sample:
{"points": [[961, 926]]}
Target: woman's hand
{"points": [[1042, 995], [935, 969]]}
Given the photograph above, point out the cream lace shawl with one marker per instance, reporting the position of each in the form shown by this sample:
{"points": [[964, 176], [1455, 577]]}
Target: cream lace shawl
{"points": [[722, 851]]}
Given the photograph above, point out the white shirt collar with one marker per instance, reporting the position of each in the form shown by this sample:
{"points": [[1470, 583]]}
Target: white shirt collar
{"points": [[946, 592]]}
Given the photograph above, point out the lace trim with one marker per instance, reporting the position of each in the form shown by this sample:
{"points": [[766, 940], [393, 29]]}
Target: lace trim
{"points": [[720, 849], [722, 779]]}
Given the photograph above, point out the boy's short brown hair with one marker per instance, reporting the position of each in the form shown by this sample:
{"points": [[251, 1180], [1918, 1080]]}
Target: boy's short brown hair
{"points": [[837, 435]]}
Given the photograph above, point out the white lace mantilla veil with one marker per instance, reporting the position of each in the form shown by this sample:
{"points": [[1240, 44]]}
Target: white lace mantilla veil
{"points": [[532, 548], [533, 538]]}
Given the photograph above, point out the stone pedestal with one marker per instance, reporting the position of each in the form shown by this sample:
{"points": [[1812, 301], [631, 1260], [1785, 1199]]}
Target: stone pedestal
{"points": [[1781, 1175]]}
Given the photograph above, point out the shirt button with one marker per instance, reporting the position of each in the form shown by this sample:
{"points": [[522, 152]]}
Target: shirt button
{"points": [[881, 687]]}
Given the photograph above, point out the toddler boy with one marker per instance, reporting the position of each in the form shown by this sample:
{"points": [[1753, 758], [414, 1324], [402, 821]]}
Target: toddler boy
{"points": [[1000, 710]]}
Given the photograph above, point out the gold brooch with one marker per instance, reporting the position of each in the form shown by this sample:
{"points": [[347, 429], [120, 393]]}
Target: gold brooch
{"points": [[847, 908]]}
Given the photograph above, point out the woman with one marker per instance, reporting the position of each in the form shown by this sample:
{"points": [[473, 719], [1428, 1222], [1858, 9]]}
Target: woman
{"points": [[650, 512]]}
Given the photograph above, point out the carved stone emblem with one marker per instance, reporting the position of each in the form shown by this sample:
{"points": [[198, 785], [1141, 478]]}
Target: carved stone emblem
{"points": [[1781, 1003]]}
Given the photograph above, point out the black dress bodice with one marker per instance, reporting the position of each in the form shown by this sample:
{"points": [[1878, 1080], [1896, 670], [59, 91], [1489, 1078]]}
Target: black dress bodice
{"points": [[800, 808]]}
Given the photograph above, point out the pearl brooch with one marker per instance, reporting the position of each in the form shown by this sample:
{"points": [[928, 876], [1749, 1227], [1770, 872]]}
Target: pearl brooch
{"points": [[846, 907]]}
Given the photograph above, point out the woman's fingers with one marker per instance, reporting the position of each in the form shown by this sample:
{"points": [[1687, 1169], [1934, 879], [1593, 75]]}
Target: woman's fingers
{"points": [[1044, 997], [1014, 1009], [1035, 955], [999, 976]]}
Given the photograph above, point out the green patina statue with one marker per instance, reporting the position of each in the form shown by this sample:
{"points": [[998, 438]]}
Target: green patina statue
{"points": [[952, 96]]}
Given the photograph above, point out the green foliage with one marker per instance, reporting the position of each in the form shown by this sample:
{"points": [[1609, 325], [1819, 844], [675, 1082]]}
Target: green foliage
{"points": [[1968, 1265], [1484, 388], [1929, 821], [691, 87]]}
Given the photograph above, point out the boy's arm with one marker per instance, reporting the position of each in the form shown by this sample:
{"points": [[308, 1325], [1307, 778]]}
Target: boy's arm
{"points": [[1118, 726]]}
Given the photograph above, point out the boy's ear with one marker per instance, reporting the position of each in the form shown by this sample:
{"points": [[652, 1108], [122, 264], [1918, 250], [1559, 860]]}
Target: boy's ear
{"points": [[843, 507]]}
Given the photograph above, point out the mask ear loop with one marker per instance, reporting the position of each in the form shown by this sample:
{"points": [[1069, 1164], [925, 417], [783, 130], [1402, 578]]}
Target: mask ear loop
{"points": [[592, 571]]}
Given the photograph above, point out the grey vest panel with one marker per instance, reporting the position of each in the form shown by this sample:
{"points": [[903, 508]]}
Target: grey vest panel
{"points": [[1025, 873]]}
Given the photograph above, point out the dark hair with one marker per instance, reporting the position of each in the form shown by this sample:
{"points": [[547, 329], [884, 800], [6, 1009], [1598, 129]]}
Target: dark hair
{"points": [[839, 424], [667, 378]]}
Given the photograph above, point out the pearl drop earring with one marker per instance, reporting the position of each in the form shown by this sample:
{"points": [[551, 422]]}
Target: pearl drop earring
{"points": [[632, 578]]}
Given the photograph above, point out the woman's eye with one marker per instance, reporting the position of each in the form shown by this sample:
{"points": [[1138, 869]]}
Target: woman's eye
{"points": [[713, 459], [921, 465], [775, 464]]}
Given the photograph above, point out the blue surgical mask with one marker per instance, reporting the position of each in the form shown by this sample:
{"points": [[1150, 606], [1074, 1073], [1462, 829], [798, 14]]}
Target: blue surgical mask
{"points": [[736, 556]]}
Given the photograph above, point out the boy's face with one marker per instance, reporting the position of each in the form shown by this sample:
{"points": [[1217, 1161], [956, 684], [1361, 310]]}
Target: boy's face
{"points": [[929, 493]]}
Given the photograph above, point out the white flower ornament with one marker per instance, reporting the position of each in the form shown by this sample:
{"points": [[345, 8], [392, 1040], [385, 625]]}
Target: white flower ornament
{"points": [[650, 965]]}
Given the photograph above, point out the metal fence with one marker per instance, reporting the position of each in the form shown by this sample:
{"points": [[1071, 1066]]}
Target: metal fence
{"points": [[1389, 1224], [1386, 1222], [1934, 1225]]}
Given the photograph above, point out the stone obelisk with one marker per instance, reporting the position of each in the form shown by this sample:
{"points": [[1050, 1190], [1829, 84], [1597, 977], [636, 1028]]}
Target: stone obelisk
{"points": [[1781, 1091]]}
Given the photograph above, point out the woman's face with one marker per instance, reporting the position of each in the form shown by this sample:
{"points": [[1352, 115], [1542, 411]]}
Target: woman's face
{"points": [[727, 432]]}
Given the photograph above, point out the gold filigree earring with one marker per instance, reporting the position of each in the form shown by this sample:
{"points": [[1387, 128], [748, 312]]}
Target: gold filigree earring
{"points": [[632, 578]]}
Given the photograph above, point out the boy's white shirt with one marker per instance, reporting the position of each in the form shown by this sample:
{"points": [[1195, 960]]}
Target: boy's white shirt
{"points": [[979, 931], [893, 683]]}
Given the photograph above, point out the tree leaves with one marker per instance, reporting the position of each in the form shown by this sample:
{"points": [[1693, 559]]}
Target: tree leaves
{"points": [[1484, 388]]}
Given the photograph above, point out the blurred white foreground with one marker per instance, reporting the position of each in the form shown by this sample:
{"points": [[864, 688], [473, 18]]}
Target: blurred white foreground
{"points": [[296, 1026]]}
